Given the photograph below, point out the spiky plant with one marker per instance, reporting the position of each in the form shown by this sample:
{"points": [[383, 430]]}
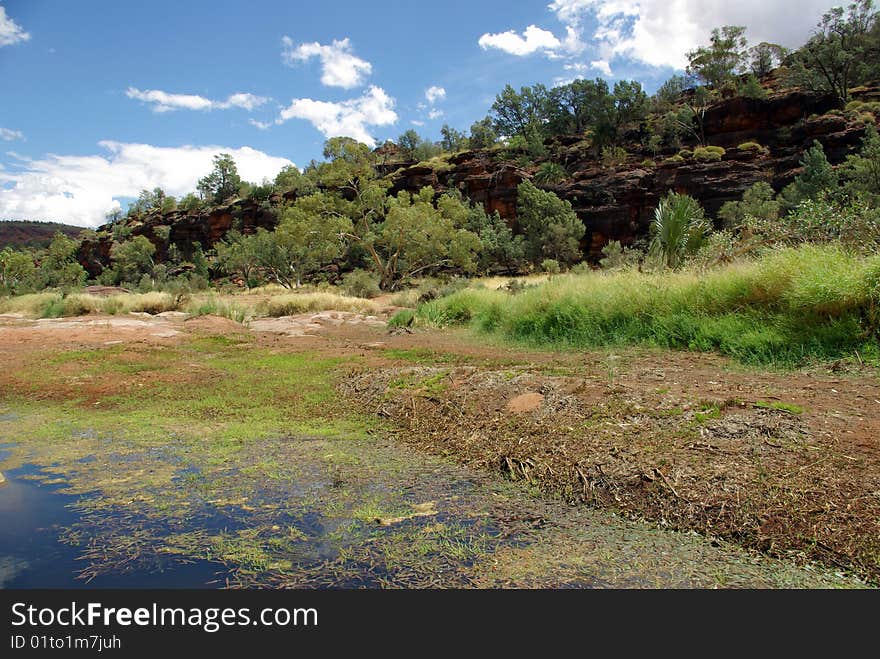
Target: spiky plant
{"points": [[679, 228]]}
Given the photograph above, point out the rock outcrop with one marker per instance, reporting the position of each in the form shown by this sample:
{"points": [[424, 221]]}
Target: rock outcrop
{"points": [[618, 203], [614, 203]]}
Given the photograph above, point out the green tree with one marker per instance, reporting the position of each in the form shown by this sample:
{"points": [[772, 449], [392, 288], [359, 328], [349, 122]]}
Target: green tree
{"points": [[679, 228], [578, 106], [417, 237], [758, 202], [842, 52], [132, 258], [765, 57], [550, 227], [150, 201], [751, 88], [310, 235], [861, 172], [17, 271], [483, 135], [499, 246], [59, 267], [237, 255], [453, 140], [523, 113], [724, 57], [670, 92], [816, 177], [408, 142], [223, 182]]}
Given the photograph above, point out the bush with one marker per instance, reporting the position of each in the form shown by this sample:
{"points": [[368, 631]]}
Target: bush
{"points": [[751, 146], [615, 256], [674, 160], [550, 266], [708, 153], [613, 156], [648, 163], [361, 283], [686, 154]]}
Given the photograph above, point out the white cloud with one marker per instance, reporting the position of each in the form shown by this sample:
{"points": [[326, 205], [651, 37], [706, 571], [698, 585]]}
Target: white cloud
{"points": [[9, 135], [602, 66], [165, 102], [10, 32], [661, 32], [434, 94], [531, 41], [262, 125], [339, 66], [658, 32], [416, 122], [346, 119], [435, 114], [80, 190]]}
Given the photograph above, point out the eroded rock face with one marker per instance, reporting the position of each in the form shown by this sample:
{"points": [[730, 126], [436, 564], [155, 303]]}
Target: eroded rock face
{"points": [[186, 229], [614, 204], [618, 204]]}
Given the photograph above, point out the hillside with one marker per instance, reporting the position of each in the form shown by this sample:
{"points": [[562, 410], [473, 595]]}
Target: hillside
{"points": [[756, 139], [15, 233]]}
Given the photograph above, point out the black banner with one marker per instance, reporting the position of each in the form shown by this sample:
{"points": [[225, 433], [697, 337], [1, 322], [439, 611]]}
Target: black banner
{"points": [[127, 623]]}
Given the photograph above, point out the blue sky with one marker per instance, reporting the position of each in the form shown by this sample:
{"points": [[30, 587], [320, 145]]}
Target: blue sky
{"points": [[105, 97]]}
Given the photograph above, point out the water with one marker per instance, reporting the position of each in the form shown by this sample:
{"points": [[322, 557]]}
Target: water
{"points": [[33, 515]]}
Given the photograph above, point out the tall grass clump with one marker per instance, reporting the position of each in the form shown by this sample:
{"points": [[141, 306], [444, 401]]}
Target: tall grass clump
{"points": [[788, 308], [297, 303], [56, 305], [216, 306]]}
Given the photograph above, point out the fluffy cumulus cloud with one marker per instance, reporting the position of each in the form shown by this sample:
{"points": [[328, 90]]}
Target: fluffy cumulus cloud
{"points": [[351, 118], [9, 135], [80, 190], [534, 39], [339, 66], [165, 102], [658, 32], [10, 32]]}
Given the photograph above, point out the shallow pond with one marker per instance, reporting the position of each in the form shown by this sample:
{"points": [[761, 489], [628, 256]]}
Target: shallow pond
{"points": [[312, 512]]}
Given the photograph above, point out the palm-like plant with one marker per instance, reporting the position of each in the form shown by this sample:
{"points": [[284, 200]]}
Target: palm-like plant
{"points": [[550, 173], [679, 228]]}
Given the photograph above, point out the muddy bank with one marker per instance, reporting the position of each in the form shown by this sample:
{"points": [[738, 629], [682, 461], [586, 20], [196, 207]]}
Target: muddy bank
{"points": [[759, 473]]}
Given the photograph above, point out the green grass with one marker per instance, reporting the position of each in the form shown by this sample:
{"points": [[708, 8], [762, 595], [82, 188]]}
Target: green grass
{"points": [[791, 408], [787, 309]]}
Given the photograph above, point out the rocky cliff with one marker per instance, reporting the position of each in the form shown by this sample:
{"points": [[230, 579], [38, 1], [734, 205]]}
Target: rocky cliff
{"points": [[618, 203], [615, 203]]}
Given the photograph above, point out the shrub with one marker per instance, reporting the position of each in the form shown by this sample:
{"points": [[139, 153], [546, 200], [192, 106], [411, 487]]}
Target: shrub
{"points": [[550, 266], [674, 160], [751, 146], [648, 163], [686, 154], [613, 156], [361, 283], [615, 256], [708, 153]]}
